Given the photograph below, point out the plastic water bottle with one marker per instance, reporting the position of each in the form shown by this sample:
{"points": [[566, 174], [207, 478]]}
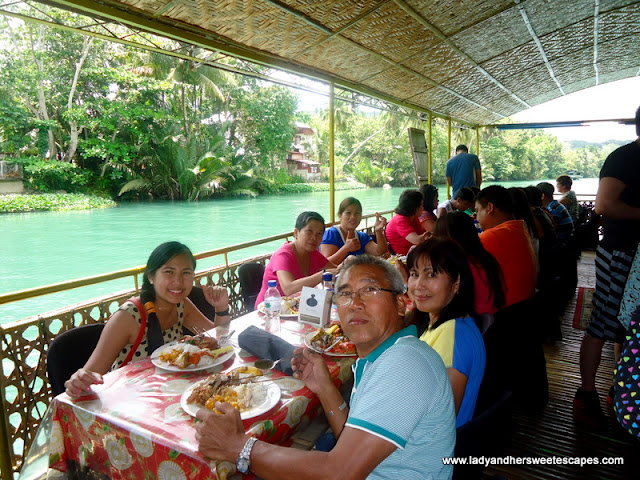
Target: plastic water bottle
{"points": [[327, 284], [333, 317], [327, 281], [272, 307]]}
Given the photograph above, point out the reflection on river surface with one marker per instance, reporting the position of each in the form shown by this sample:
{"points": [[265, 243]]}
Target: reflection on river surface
{"points": [[44, 248]]}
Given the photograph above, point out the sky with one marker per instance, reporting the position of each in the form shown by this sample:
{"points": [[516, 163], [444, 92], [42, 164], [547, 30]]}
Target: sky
{"points": [[612, 100]]}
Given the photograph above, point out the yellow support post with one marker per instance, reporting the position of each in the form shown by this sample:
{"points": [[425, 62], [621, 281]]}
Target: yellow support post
{"points": [[332, 193], [478, 141]]}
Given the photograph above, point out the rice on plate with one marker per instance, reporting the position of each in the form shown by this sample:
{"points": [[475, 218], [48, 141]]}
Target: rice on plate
{"points": [[185, 355], [227, 388]]}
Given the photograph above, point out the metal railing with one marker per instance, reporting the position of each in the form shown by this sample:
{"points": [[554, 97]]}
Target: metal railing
{"points": [[25, 392]]}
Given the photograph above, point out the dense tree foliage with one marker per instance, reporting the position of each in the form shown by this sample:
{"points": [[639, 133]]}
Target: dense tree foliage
{"points": [[135, 123]]}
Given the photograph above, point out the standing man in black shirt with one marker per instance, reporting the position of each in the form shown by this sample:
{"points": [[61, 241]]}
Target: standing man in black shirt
{"points": [[618, 201]]}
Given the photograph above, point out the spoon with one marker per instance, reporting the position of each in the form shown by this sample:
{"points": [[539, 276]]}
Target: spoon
{"points": [[333, 344], [266, 364]]}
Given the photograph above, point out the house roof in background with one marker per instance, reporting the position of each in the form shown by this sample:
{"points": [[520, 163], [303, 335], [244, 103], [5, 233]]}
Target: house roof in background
{"points": [[305, 129], [305, 162]]}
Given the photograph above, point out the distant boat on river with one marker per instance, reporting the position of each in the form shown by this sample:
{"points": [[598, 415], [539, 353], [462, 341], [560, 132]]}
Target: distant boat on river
{"points": [[574, 174]]}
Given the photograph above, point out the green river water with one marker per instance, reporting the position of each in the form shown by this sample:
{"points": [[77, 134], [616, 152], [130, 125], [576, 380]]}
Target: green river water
{"points": [[43, 248]]}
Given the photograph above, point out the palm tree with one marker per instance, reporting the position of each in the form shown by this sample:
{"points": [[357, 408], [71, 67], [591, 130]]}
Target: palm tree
{"points": [[342, 113], [197, 85], [182, 168]]}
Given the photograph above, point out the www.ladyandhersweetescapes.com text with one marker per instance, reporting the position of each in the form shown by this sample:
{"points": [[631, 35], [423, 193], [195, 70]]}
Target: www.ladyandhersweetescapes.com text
{"points": [[510, 460]]}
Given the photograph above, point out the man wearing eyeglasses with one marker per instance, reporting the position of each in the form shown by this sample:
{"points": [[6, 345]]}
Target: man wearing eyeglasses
{"points": [[401, 420]]}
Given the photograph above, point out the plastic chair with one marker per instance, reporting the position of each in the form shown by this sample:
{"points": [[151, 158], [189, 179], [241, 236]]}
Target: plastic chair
{"points": [[487, 434], [198, 299], [250, 277], [587, 231], [515, 358], [389, 247], [69, 351]]}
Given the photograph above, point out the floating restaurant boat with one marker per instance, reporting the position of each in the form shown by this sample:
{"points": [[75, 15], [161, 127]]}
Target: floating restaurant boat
{"points": [[26, 393], [472, 64]]}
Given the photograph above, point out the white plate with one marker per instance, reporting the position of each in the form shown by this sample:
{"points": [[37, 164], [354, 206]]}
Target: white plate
{"points": [[271, 399], [283, 316], [307, 342], [191, 368]]}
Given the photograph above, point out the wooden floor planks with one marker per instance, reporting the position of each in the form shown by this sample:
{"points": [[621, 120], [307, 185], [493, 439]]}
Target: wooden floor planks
{"points": [[554, 432]]}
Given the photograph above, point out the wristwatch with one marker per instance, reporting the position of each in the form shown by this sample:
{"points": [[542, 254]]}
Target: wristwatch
{"points": [[244, 459]]}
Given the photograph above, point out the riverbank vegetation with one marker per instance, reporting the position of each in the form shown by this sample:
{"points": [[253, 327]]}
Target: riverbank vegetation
{"points": [[41, 202], [88, 116], [13, 203]]}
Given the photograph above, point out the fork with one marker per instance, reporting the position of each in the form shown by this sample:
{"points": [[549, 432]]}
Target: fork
{"points": [[224, 338], [204, 333], [199, 332]]}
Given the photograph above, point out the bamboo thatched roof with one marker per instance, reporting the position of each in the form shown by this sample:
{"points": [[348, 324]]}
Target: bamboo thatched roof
{"points": [[473, 60]]}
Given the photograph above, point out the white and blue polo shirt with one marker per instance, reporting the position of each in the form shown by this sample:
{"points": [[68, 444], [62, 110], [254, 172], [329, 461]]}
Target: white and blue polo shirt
{"points": [[402, 394]]}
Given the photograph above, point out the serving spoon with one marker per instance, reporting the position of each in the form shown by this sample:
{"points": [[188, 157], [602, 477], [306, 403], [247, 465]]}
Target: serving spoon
{"points": [[266, 364]]}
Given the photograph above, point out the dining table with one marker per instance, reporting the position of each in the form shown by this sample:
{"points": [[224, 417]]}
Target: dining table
{"points": [[135, 425]]}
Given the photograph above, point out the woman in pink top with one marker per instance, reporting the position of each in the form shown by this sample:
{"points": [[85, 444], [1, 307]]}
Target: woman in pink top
{"points": [[298, 264], [488, 282], [404, 229]]}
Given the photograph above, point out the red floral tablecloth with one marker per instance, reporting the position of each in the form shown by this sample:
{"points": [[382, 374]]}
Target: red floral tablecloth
{"points": [[134, 427]]}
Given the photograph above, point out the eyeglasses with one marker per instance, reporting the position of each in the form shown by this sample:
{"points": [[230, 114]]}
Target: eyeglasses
{"points": [[344, 298]]}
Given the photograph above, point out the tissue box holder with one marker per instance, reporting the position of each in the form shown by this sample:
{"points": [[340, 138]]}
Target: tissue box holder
{"points": [[315, 306]]}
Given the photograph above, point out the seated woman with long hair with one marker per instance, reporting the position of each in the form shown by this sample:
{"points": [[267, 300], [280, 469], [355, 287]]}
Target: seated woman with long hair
{"points": [[488, 283], [404, 229], [343, 240], [441, 288], [429, 203], [298, 263], [167, 281]]}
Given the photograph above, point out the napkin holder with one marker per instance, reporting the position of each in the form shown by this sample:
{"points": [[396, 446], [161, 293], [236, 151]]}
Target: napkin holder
{"points": [[315, 306]]}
